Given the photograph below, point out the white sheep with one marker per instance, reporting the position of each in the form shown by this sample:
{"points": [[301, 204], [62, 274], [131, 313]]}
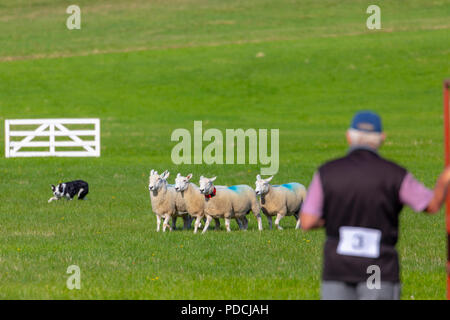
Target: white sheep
{"points": [[181, 211], [194, 200], [229, 203], [164, 199], [280, 200]]}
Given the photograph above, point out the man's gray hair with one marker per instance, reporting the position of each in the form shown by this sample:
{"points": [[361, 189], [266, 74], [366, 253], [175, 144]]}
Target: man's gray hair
{"points": [[362, 138]]}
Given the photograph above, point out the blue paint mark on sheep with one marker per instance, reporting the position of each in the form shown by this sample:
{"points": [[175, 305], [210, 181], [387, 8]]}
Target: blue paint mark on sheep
{"points": [[235, 188], [290, 186]]}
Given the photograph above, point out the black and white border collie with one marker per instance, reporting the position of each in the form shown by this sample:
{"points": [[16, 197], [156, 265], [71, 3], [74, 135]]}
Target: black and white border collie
{"points": [[69, 190]]}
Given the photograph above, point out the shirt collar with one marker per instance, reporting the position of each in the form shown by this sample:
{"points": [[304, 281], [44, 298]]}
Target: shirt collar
{"points": [[361, 147]]}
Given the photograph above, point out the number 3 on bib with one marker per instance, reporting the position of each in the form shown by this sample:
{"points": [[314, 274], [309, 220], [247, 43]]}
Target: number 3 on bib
{"points": [[359, 242]]}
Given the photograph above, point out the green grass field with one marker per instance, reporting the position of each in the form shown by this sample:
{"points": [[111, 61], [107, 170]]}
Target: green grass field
{"points": [[146, 68]]}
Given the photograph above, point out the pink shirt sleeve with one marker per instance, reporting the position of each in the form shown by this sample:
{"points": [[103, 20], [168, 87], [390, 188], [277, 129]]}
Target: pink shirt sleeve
{"points": [[414, 194], [314, 198]]}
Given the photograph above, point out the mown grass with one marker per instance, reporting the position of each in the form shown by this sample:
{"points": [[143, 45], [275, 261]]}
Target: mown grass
{"points": [[314, 75]]}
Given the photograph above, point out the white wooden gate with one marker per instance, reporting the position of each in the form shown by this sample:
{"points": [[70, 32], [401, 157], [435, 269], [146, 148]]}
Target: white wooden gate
{"points": [[54, 146]]}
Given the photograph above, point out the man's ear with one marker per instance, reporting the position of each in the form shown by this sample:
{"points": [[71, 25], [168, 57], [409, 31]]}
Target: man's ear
{"points": [[347, 135]]}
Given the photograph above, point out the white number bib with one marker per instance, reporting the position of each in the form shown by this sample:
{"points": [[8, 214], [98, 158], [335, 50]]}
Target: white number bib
{"points": [[360, 242]]}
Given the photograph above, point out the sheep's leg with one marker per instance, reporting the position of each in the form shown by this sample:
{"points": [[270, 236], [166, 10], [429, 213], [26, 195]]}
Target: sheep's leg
{"points": [[297, 218], [158, 223], [269, 220], [190, 220], [208, 220], [227, 224], [243, 223], [297, 226], [240, 224], [204, 220], [258, 218], [277, 221], [217, 226], [256, 209], [197, 224], [174, 222], [166, 223], [187, 222]]}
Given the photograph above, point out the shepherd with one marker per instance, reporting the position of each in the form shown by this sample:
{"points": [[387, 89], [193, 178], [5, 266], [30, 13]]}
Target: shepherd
{"points": [[358, 198]]}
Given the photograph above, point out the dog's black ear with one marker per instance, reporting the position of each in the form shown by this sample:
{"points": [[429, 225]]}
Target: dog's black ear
{"points": [[53, 187]]}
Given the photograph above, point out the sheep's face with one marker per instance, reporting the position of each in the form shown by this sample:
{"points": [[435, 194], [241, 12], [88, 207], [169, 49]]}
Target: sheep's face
{"points": [[182, 183], [157, 181], [206, 185], [262, 185]]}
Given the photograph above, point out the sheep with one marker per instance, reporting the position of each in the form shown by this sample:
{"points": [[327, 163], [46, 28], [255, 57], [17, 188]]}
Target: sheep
{"points": [[229, 202], [164, 199], [280, 200], [181, 211], [193, 199]]}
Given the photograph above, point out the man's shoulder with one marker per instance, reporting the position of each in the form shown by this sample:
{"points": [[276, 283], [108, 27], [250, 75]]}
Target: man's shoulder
{"points": [[392, 164]]}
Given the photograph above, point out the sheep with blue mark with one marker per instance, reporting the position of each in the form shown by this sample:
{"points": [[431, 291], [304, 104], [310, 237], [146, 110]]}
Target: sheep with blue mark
{"points": [[280, 200], [229, 203]]}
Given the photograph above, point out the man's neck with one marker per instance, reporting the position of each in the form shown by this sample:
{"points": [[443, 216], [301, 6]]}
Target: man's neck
{"points": [[354, 147]]}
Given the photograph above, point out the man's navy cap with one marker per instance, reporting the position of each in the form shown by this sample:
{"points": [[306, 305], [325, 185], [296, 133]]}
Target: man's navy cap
{"points": [[367, 121]]}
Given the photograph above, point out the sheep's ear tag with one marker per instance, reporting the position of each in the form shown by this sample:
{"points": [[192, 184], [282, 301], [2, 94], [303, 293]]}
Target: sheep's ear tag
{"points": [[209, 196]]}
